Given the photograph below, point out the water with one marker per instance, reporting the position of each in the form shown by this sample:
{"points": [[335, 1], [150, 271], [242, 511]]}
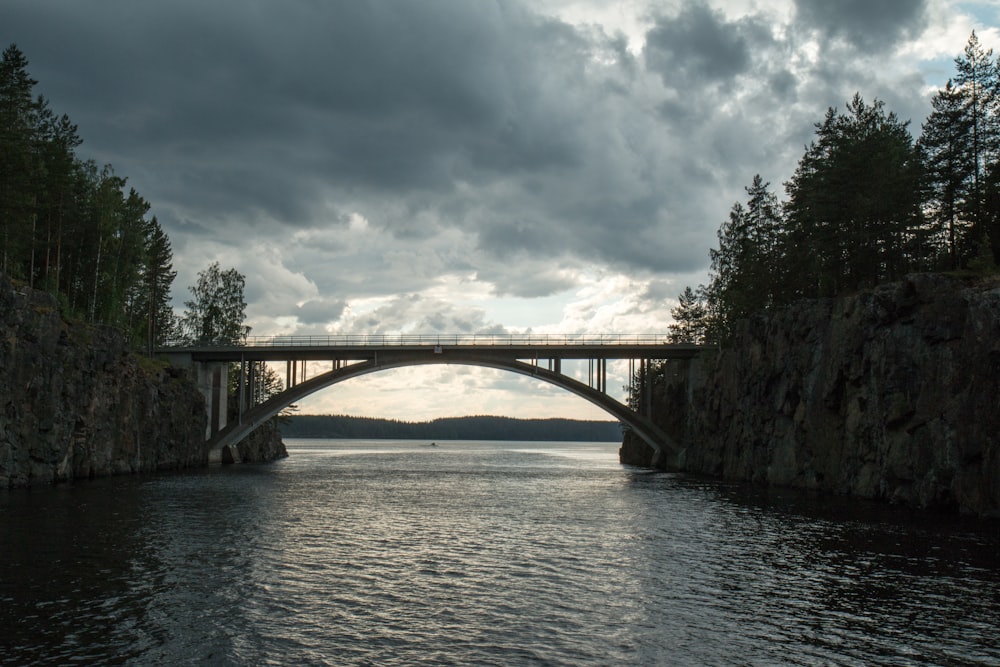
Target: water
{"points": [[482, 553]]}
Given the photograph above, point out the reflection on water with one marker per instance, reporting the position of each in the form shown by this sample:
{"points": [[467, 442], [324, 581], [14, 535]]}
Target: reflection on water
{"points": [[376, 552]]}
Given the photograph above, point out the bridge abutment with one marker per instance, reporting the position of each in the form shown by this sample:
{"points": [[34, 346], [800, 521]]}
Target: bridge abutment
{"points": [[212, 379]]}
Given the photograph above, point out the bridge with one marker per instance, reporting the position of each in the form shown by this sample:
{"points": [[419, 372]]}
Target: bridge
{"points": [[351, 356]]}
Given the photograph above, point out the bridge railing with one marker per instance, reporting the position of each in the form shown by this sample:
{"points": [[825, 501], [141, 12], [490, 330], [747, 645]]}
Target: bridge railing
{"points": [[392, 340]]}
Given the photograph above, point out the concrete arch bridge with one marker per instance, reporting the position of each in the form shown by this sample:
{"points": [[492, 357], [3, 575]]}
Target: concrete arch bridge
{"points": [[350, 356]]}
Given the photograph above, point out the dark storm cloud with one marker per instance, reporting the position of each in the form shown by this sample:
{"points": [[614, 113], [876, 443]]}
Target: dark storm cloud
{"points": [[700, 45], [244, 117], [874, 25], [275, 99]]}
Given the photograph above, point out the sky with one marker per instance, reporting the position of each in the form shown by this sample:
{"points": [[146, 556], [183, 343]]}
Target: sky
{"points": [[467, 166]]}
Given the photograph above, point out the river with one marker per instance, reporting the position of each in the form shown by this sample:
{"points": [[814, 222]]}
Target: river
{"points": [[482, 553]]}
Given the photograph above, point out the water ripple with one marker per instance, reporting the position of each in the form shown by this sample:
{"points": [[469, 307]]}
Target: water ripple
{"points": [[485, 554]]}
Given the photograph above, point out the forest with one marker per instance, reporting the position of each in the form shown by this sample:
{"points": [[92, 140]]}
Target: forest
{"points": [[70, 227], [75, 230], [453, 428], [867, 204]]}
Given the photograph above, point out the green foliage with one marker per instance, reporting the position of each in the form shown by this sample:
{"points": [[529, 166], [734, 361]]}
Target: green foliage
{"points": [[70, 228], [946, 147], [853, 218], [216, 313], [152, 366], [20, 164], [977, 80], [746, 265], [691, 320], [983, 262], [152, 303]]}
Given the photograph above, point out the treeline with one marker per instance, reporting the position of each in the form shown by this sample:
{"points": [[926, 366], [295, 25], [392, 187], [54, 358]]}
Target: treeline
{"points": [[454, 428], [866, 205], [72, 228]]}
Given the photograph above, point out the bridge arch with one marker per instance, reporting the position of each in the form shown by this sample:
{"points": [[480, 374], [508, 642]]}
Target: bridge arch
{"points": [[661, 443]]}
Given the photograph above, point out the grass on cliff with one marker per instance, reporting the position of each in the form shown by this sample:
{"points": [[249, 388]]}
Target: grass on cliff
{"points": [[151, 366]]}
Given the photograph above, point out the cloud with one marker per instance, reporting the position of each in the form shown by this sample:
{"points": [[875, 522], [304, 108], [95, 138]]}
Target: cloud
{"points": [[699, 46], [873, 25], [319, 311]]}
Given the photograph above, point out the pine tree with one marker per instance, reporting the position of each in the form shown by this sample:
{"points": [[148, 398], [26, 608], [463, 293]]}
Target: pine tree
{"points": [[946, 147], [854, 218], [977, 79], [20, 167], [60, 204]]}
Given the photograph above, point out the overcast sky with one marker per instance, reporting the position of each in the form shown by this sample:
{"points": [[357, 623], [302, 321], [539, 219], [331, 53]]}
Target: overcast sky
{"points": [[462, 166]]}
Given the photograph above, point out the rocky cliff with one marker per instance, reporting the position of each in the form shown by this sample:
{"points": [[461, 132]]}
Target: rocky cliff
{"points": [[889, 394], [263, 444], [76, 403]]}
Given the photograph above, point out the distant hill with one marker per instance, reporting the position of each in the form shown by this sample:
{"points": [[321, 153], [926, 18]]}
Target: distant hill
{"points": [[453, 428]]}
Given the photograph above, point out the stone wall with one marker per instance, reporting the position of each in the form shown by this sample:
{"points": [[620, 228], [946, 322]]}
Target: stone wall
{"points": [[890, 394]]}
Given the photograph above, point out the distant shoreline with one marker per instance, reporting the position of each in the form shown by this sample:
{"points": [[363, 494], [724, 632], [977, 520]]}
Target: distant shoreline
{"points": [[482, 427]]}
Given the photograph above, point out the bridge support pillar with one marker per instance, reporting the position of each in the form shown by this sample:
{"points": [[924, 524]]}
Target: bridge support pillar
{"points": [[212, 380]]}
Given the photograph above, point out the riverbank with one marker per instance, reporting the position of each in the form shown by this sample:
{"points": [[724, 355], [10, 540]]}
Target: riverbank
{"points": [[890, 394], [75, 402]]}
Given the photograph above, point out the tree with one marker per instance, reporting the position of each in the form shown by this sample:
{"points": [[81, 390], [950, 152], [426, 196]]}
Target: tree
{"points": [[106, 208], [216, 313], [690, 318], [977, 79], [20, 166], [59, 206], [992, 211], [745, 266], [946, 146], [853, 218], [265, 384], [157, 276], [67, 226]]}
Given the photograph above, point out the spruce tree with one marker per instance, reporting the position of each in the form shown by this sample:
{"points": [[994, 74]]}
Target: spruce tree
{"points": [[745, 268], [157, 276]]}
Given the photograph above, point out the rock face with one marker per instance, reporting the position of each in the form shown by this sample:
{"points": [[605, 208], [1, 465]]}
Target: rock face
{"points": [[889, 394], [75, 403], [263, 444]]}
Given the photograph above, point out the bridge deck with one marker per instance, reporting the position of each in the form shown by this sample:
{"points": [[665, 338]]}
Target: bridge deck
{"points": [[526, 346]]}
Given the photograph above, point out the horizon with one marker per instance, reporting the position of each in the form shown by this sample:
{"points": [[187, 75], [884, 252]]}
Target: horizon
{"points": [[426, 421]]}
